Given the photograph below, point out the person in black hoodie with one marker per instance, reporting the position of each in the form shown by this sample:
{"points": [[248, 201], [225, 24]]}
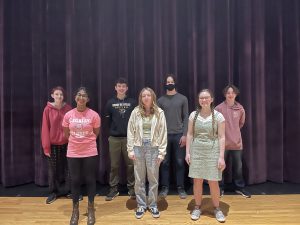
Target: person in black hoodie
{"points": [[118, 110]]}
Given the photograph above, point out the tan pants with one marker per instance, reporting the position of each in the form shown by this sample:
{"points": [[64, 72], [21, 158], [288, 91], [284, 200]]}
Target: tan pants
{"points": [[118, 149]]}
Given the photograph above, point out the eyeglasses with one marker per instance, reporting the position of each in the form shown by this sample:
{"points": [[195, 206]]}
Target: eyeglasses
{"points": [[204, 98]]}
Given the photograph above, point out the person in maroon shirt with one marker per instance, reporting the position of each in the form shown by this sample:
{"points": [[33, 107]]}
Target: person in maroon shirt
{"points": [[234, 114], [55, 144]]}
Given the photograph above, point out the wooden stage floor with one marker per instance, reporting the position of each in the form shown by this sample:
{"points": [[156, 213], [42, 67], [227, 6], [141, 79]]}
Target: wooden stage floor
{"points": [[258, 210]]}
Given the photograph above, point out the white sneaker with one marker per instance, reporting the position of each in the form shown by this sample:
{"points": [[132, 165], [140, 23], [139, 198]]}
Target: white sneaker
{"points": [[219, 215], [196, 214]]}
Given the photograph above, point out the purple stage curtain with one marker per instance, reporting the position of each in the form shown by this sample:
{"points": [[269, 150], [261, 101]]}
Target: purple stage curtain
{"points": [[254, 44]]}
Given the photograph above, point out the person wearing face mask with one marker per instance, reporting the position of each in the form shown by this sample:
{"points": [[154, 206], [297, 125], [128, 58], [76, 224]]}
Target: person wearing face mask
{"points": [[175, 106]]}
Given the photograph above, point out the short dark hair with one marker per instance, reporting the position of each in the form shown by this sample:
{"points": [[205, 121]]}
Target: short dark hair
{"points": [[234, 88], [121, 80], [170, 75], [83, 89]]}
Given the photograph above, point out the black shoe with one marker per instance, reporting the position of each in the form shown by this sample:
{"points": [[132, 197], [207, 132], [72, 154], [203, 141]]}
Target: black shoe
{"points": [[69, 195], [181, 192], [51, 198], [113, 192], [164, 192], [131, 193], [140, 212], [155, 213], [243, 192], [80, 198]]}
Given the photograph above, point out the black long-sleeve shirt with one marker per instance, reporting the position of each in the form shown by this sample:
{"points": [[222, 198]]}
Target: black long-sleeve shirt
{"points": [[176, 112], [118, 111]]}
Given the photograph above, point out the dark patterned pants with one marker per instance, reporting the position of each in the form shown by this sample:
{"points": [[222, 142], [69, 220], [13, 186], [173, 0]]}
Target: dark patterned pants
{"points": [[58, 172]]}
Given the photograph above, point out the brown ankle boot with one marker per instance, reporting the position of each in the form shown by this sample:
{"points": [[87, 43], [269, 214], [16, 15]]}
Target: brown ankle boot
{"points": [[75, 214], [91, 214]]}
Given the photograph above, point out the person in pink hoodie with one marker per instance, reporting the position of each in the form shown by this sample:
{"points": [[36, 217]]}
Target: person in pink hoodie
{"points": [[234, 114], [54, 144]]}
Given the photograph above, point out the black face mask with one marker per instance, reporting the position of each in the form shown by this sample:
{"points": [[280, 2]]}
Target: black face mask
{"points": [[170, 87]]}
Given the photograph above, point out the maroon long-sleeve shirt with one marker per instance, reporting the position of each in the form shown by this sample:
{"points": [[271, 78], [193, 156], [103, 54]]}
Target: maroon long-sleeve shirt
{"points": [[234, 120]]}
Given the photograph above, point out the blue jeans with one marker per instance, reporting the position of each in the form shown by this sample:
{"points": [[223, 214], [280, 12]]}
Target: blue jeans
{"points": [[177, 154], [237, 167], [146, 163]]}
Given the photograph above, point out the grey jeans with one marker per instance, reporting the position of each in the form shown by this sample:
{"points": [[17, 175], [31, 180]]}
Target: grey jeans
{"points": [[146, 163]]}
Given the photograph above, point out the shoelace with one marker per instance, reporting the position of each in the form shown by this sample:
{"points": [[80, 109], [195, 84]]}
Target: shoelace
{"points": [[219, 214], [140, 209], [196, 212], [154, 210]]}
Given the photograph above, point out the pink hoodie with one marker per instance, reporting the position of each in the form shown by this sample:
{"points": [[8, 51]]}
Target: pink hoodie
{"points": [[235, 119], [52, 130]]}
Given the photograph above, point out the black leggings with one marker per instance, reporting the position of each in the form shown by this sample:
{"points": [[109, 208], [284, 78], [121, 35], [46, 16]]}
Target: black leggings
{"points": [[83, 168]]}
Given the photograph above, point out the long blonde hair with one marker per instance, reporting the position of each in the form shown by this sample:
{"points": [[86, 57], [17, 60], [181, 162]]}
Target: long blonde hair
{"points": [[153, 108]]}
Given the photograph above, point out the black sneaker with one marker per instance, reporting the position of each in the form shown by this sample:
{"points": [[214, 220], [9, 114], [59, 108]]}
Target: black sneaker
{"points": [[181, 192], [243, 192], [80, 198], [139, 212], [51, 198], [155, 213], [131, 193], [164, 192], [113, 192], [69, 195]]}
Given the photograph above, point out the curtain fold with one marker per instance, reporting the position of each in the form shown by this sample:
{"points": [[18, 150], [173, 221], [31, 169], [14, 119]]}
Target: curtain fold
{"points": [[1, 81], [254, 44]]}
